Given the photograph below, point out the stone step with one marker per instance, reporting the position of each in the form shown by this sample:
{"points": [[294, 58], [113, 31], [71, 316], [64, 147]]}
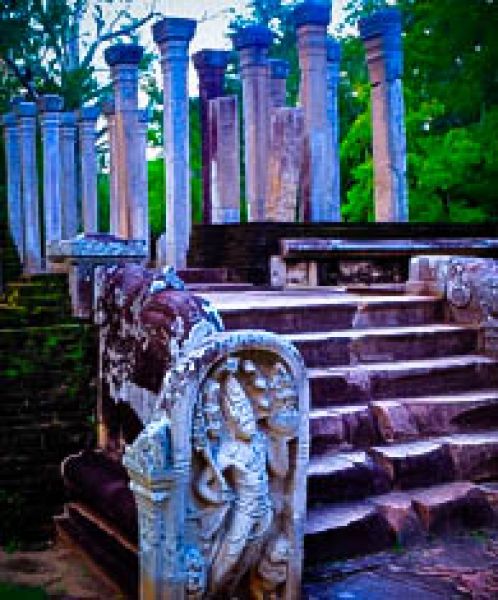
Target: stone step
{"points": [[363, 425], [207, 275], [313, 310], [346, 476], [322, 349], [377, 381], [201, 288], [345, 530]]}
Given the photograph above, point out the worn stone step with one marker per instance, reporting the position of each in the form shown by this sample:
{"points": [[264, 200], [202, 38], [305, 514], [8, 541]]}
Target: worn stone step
{"points": [[377, 381], [402, 419], [208, 275], [314, 310], [344, 476], [348, 529], [321, 349], [472, 456]]}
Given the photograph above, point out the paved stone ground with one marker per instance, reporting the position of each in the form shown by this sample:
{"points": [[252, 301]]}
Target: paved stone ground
{"points": [[462, 566]]}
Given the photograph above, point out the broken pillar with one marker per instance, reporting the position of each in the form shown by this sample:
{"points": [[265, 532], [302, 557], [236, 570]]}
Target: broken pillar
{"points": [[381, 34], [87, 123], [225, 160], [210, 66], [253, 42], [173, 36]]}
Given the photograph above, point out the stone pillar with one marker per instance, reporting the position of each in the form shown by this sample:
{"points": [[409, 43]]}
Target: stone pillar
{"points": [[69, 180], [87, 121], [285, 163], [13, 167], [210, 66], [333, 76], [279, 71], [311, 20], [123, 60], [140, 221], [381, 34], [110, 115], [225, 160], [253, 42], [173, 36], [50, 107], [26, 111]]}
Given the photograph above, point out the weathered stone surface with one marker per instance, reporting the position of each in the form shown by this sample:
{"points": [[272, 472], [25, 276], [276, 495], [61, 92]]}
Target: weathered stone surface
{"points": [[445, 507], [284, 163], [224, 155], [14, 192], [279, 71], [381, 33], [69, 185], [87, 122], [333, 77], [394, 421], [397, 509]]}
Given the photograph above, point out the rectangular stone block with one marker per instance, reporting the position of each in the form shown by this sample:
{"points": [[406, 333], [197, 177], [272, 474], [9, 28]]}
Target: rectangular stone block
{"points": [[224, 154], [284, 164]]}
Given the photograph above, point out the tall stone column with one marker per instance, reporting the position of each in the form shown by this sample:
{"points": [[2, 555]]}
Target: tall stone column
{"points": [[311, 20], [123, 60], [253, 42], [225, 159], [279, 71], [26, 112], [69, 180], [50, 107], [109, 111], [333, 76], [14, 197], [381, 34], [210, 66], [173, 36], [140, 221], [87, 121]]}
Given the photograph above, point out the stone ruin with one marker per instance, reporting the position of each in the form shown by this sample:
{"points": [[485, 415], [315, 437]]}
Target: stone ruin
{"points": [[292, 170], [214, 439]]}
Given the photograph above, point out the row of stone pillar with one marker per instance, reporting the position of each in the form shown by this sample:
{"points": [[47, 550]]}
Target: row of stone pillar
{"points": [[59, 218]]}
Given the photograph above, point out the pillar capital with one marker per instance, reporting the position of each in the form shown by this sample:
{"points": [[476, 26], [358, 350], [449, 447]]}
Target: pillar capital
{"points": [[25, 109], [123, 54], [209, 59], [172, 29], [279, 69], [88, 114], [311, 12], [253, 36], [381, 34], [50, 103]]}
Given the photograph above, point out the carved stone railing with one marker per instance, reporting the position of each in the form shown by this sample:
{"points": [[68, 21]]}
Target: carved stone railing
{"points": [[219, 470], [469, 287]]}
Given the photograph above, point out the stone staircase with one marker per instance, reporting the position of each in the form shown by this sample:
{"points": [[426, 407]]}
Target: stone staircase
{"points": [[404, 415]]}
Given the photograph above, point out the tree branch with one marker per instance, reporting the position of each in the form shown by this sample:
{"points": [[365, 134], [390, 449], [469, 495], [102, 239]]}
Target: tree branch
{"points": [[23, 78]]}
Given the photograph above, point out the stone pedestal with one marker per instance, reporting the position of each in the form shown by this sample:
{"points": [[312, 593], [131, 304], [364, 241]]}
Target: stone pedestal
{"points": [[69, 181], [225, 160], [279, 71], [252, 43], [87, 121], [108, 109], [333, 76], [381, 34], [285, 163], [50, 107], [311, 20], [210, 66], [26, 112], [173, 37], [14, 197], [123, 60]]}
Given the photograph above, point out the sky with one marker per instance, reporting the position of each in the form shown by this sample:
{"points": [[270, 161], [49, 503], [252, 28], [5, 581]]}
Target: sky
{"points": [[213, 17]]}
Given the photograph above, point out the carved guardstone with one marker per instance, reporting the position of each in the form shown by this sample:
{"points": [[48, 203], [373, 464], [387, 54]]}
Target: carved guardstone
{"points": [[219, 470]]}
